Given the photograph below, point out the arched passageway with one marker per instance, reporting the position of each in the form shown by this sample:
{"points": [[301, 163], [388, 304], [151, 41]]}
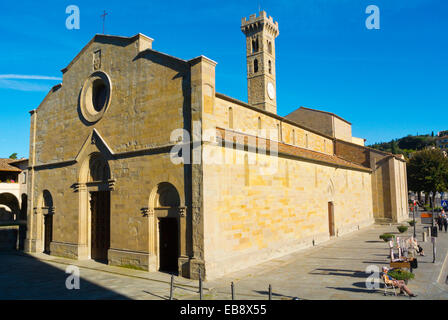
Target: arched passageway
{"points": [[9, 207]]}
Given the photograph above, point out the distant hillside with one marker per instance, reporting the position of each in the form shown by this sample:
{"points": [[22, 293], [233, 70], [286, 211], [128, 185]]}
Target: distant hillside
{"points": [[406, 145]]}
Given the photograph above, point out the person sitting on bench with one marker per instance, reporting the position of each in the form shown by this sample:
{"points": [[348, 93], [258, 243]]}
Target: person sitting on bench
{"points": [[396, 283]]}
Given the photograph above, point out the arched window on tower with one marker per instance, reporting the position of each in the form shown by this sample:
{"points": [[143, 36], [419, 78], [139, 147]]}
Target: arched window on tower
{"points": [[269, 47], [255, 45], [255, 66], [270, 66]]}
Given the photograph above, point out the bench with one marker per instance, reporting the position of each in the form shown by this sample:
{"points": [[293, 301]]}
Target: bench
{"points": [[402, 264]]}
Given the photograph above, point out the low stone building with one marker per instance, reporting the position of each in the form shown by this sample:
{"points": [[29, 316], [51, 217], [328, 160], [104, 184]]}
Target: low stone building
{"points": [[13, 189], [135, 159]]}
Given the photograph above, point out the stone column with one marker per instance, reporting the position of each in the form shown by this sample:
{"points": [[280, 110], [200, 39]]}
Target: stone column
{"points": [[183, 231], [149, 213], [183, 263], [393, 190], [30, 242], [83, 222], [202, 96]]}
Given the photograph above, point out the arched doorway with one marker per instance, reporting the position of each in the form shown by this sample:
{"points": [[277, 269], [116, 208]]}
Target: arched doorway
{"points": [[168, 201], [9, 207], [48, 211], [99, 175]]}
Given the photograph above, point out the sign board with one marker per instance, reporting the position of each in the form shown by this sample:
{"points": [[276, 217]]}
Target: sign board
{"points": [[426, 217], [444, 203]]}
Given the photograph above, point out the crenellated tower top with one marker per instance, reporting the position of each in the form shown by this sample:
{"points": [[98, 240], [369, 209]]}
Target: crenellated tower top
{"points": [[260, 34], [260, 22]]}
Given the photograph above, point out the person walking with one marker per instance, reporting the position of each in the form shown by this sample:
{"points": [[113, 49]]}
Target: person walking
{"points": [[443, 221], [440, 221]]}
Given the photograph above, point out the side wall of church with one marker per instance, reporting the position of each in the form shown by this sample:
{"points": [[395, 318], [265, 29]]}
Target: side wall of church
{"points": [[252, 215], [258, 207]]}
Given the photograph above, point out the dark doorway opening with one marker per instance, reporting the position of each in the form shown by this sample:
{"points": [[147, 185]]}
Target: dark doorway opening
{"points": [[48, 229], [331, 218], [100, 232], [169, 245]]}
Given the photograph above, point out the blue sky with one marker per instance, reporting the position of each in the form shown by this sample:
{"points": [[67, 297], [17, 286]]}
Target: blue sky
{"points": [[389, 82]]}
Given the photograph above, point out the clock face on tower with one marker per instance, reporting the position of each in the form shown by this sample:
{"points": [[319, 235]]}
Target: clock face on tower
{"points": [[271, 90]]}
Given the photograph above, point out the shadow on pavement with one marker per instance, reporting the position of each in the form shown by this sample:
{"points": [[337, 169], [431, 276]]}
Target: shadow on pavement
{"points": [[339, 272], [356, 290], [266, 293], [24, 277]]}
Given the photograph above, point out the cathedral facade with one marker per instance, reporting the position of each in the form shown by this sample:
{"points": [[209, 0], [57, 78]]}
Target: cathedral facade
{"points": [[136, 160]]}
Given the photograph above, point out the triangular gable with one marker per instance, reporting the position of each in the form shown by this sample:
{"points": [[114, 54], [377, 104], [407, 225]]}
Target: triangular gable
{"points": [[94, 142], [146, 43]]}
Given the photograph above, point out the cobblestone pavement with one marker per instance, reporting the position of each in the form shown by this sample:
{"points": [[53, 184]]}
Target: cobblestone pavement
{"points": [[337, 270], [332, 270]]}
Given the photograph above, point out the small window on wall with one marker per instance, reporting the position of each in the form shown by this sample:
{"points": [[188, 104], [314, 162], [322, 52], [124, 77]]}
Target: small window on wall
{"points": [[24, 178], [269, 47], [255, 66], [270, 66], [279, 131], [230, 118]]}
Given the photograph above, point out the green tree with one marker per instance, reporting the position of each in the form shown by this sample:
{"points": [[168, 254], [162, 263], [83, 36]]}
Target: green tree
{"points": [[428, 171], [393, 147], [13, 156]]}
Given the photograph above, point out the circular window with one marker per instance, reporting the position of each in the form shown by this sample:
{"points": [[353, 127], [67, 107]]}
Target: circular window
{"points": [[95, 96]]}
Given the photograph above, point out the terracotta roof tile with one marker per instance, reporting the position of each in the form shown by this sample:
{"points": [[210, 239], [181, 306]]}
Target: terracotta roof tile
{"points": [[5, 165]]}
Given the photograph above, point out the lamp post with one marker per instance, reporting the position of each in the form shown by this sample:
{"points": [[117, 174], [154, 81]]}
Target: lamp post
{"points": [[433, 239]]}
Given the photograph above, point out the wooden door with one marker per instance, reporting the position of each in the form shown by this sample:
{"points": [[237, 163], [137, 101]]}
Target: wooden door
{"points": [[48, 232], [331, 218], [100, 235], [169, 244]]}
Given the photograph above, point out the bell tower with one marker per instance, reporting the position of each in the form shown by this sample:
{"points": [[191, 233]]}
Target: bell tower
{"points": [[260, 34]]}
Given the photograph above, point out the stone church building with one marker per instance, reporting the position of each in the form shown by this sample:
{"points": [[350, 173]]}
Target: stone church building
{"points": [[104, 185]]}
